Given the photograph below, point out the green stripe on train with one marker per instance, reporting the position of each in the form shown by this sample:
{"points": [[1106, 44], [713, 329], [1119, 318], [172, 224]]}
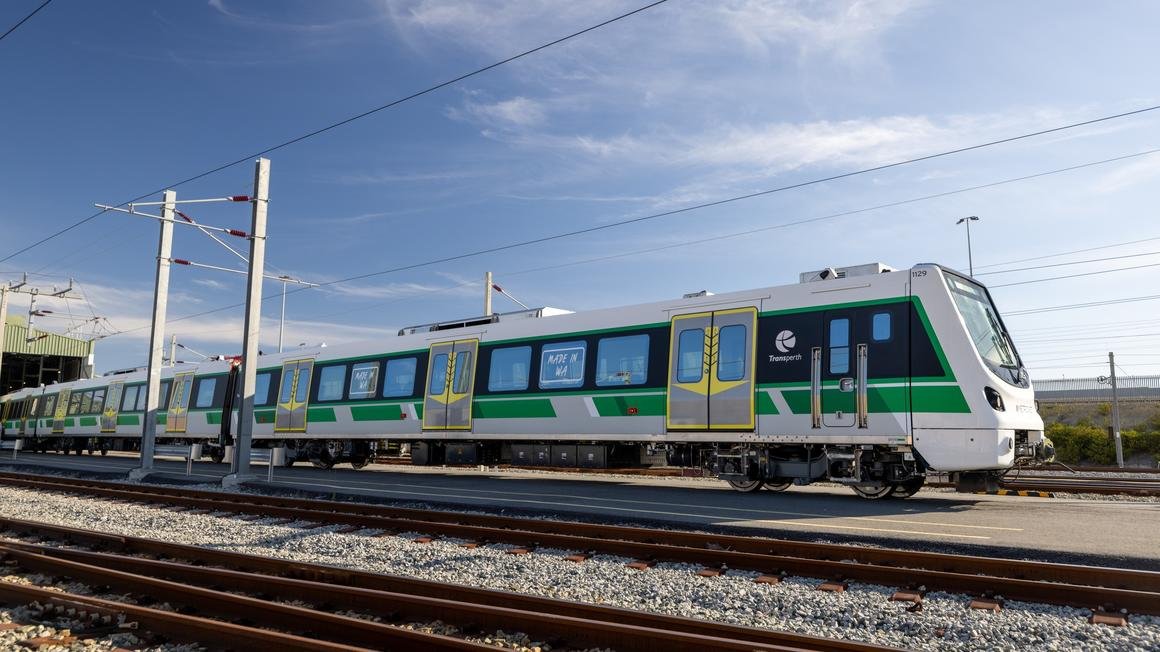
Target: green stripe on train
{"points": [[263, 416], [88, 421], [377, 412], [927, 398], [535, 408], [649, 405], [128, 420], [320, 415], [765, 403]]}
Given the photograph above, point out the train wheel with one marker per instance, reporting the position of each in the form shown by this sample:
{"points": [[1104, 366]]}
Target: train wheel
{"points": [[907, 488], [873, 492], [360, 461], [777, 486], [746, 486]]}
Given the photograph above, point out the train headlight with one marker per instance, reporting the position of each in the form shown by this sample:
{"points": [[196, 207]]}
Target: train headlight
{"points": [[994, 399]]}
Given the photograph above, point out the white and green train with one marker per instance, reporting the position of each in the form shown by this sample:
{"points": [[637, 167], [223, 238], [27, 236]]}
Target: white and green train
{"points": [[865, 376]]}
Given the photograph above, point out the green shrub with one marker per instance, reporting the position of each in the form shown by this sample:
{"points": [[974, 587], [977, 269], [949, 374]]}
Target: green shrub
{"points": [[1088, 444]]}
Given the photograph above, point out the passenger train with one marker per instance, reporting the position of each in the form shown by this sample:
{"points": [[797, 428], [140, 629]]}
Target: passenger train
{"points": [[866, 376]]}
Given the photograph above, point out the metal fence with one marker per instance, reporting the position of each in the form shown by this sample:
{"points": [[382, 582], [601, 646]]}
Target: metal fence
{"points": [[1091, 390]]}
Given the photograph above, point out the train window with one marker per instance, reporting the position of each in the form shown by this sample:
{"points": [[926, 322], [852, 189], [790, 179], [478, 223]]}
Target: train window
{"points": [[330, 383], [74, 404], [205, 390], [880, 327], [129, 398], [261, 389], [399, 377], [839, 346], [86, 402], [731, 346], [510, 369], [303, 384], [464, 369], [438, 375], [98, 401], [163, 396], [364, 380], [49, 406], [622, 360], [562, 364], [690, 354]]}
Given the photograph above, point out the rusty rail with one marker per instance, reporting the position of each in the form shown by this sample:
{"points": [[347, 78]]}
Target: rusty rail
{"points": [[382, 595], [1073, 585]]}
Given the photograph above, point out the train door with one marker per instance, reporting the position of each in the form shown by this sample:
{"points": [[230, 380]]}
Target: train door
{"points": [[177, 417], [839, 386], [450, 385], [28, 423], [62, 402], [293, 396], [46, 413], [112, 407], [711, 362]]}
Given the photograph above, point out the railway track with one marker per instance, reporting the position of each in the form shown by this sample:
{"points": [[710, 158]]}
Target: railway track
{"points": [[299, 606], [1103, 590], [1084, 484]]}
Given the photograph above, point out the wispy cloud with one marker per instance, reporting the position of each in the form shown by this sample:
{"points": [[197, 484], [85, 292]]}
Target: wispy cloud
{"points": [[314, 27], [386, 178], [1131, 174]]}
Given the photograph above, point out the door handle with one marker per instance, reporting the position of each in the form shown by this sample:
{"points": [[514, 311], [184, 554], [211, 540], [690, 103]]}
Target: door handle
{"points": [[846, 385]]}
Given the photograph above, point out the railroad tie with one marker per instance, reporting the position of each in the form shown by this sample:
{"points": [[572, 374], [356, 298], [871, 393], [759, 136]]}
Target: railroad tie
{"points": [[987, 604], [641, 564], [833, 587]]}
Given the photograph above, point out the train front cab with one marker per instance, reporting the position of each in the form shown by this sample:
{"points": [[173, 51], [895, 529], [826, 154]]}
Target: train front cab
{"points": [[997, 423]]}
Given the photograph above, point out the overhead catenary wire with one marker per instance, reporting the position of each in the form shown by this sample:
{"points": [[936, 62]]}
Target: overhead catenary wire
{"points": [[1037, 175], [25, 19], [1074, 262], [383, 107], [1067, 253], [1057, 278]]}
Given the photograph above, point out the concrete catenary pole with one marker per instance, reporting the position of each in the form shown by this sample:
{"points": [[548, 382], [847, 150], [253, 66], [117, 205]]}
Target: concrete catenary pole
{"points": [[487, 294], [260, 199], [1115, 411], [3, 320], [157, 337]]}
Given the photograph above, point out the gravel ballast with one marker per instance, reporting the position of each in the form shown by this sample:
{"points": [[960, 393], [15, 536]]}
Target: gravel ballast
{"points": [[862, 612]]}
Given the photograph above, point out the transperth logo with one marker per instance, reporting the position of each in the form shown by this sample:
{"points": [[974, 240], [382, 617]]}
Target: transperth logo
{"points": [[785, 341]]}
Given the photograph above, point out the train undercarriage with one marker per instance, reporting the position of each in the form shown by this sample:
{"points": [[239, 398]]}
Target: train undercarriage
{"points": [[870, 471]]}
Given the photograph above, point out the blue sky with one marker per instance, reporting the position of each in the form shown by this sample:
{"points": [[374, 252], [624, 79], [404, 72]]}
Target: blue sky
{"points": [[689, 102]]}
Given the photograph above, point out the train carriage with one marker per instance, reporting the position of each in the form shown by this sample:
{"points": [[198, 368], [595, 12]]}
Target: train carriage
{"points": [[865, 375]]}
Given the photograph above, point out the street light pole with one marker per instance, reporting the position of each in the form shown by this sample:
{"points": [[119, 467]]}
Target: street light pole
{"points": [[970, 258]]}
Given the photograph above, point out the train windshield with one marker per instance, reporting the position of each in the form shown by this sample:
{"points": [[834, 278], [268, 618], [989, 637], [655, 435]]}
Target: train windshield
{"points": [[987, 332]]}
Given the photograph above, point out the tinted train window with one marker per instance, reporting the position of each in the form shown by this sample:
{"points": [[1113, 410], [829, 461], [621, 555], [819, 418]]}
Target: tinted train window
{"points": [[399, 378], [622, 360], [839, 346], [330, 382], [74, 404], [880, 327], [86, 402], [510, 369], [731, 346], [129, 399], [438, 375], [261, 388], [205, 390], [690, 354], [98, 401], [463, 372], [562, 364], [364, 380]]}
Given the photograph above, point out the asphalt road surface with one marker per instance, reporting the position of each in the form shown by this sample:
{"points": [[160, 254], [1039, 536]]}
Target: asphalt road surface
{"points": [[1077, 531]]}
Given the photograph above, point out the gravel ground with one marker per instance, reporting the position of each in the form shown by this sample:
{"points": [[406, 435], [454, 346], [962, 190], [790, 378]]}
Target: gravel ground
{"points": [[862, 612]]}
